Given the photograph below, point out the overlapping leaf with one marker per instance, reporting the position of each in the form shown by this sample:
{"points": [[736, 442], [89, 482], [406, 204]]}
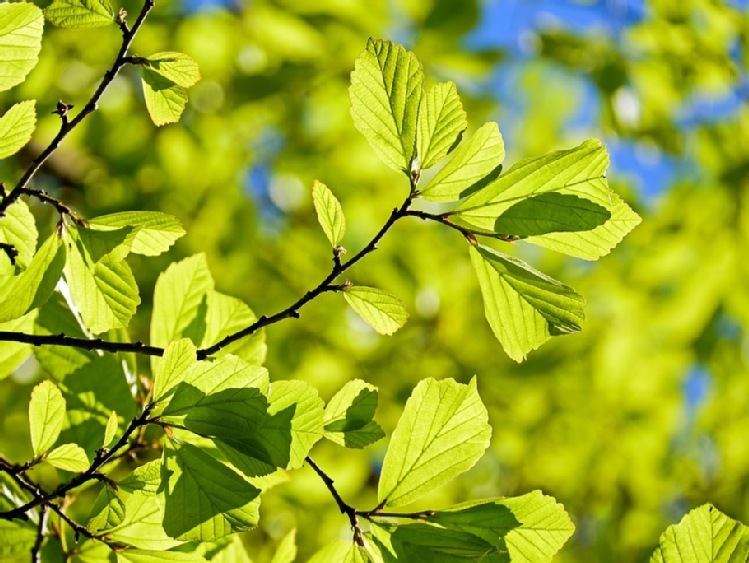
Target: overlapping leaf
{"points": [[69, 457], [181, 69], [79, 14], [579, 172], [381, 310], [18, 229], [12, 354], [153, 232], [386, 89], [524, 307], [16, 127], [348, 416], [441, 123], [21, 27], [442, 432], [472, 162], [142, 526], [107, 512], [225, 315], [165, 100]]}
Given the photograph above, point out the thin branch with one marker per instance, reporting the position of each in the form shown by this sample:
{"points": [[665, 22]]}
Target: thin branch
{"points": [[67, 126], [376, 513], [84, 343], [103, 456], [61, 208], [36, 549], [443, 219]]}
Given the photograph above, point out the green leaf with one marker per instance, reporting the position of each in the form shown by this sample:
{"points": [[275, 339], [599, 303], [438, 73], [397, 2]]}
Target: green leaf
{"points": [[142, 527], [348, 416], [46, 415], [16, 127], [381, 310], [472, 161], [36, 283], [227, 315], [178, 68], [531, 527], [151, 556], [145, 479], [79, 14], [70, 457], [107, 512], [110, 245], [110, 430], [16, 538], [704, 535], [179, 357], [104, 292], [233, 552], [21, 27], [442, 432], [12, 354], [386, 89], [286, 550], [17, 227], [341, 551], [580, 172], [205, 500], [153, 232], [179, 292], [524, 307], [165, 100], [329, 213], [441, 123], [551, 213]]}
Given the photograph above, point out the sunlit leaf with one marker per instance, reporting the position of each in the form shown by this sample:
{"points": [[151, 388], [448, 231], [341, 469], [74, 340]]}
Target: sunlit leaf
{"points": [[79, 14], [286, 550], [16, 539], [441, 123], [329, 213], [342, 551], [165, 100], [178, 358], [442, 432], [348, 416], [705, 535], [46, 415], [381, 310], [153, 232], [17, 226], [524, 307], [471, 162], [386, 89], [16, 127], [12, 354], [107, 512], [70, 457], [21, 26], [227, 315], [110, 430], [142, 526], [179, 68]]}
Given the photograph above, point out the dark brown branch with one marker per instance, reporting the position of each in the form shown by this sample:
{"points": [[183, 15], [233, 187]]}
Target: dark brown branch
{"points": [[36, 549], [67, 126], [84, 343], [61, 208], [443, 219], [103, 456]]}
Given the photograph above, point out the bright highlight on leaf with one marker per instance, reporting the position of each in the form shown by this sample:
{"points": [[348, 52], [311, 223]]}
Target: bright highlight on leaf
{"points": [[329, 213], [68, 457], [386, 89], [46, 415], [472, 162], [381, 310], [21, 27], [705, 535], [442, 432], [348, 416], [524, 307], [441, 123], [79, 14], [18, 229], [579, 172], [16, 127]]}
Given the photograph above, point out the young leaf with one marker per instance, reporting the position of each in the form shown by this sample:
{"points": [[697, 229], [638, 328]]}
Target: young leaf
{"points": [[205, 500], [524, 307], [104, 292], [154, 232], [178, 294], [226, 315], [580, 172], [20, 41], [441, 123], [16, 127], [165, 100], [348, 416], [442, 432], [37, 282], [329, 213], [17, 227], [179, 357], [386, 88], [472, 161], [79, 14], [286, 550], [69, 457], [46, 415], [107, 512], [531, 527], [381, 310], [110, 430], [179, 68], [705, 534]]}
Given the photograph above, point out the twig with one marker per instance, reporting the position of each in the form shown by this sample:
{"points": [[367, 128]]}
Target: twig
{"points": [[61, 208], [67, 126], [84, 343], [36, 549]]}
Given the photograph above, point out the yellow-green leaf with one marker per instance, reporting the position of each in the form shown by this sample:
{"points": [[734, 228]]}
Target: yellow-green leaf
{"points": [[21, 25], [16, 127], [329, 213], [381, 310], [79, 14], [441, 123], [46, 416], [69, 457], [179, 68]]}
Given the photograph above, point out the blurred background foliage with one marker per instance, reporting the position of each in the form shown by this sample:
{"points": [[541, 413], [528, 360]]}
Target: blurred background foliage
{"points": [[630, 423]]}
